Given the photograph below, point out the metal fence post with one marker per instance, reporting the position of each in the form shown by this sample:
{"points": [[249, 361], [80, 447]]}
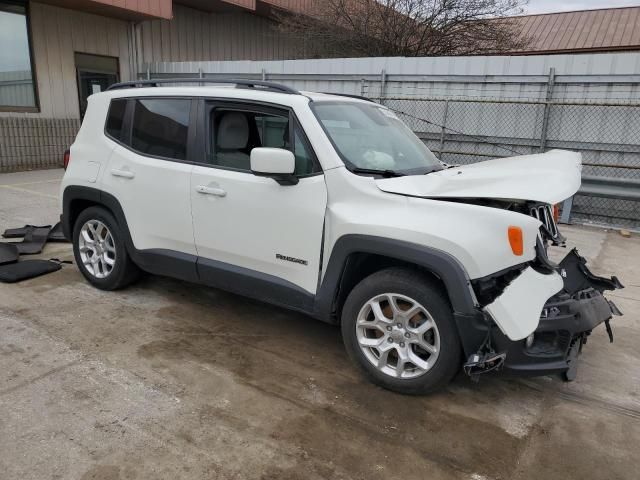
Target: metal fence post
{"points": [[443, 128], [383, 85], [565, 217], [264, 74], [547, 108]]}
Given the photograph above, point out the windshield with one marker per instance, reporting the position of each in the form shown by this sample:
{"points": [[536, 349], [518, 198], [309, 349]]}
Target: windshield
{"points": [[371, 137]]}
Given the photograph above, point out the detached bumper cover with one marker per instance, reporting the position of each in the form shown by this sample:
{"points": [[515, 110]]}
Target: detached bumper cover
{"points": [[567, 319], [565, 325], [517, 310]]}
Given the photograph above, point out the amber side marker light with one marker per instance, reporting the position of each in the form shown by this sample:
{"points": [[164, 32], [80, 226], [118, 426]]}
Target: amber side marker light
{"points": [[515, 240]]}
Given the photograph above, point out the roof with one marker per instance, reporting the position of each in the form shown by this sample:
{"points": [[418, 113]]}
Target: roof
{"points": [[581, 31], [145, 9], [260, 7], [126, 10]]}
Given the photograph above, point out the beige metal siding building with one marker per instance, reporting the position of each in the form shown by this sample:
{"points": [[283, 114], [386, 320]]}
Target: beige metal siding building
{"points": [[62, 55], [193, 35]]}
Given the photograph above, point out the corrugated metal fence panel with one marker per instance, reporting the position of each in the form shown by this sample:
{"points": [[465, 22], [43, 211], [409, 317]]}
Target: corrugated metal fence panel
{"points": [[503, 77]]}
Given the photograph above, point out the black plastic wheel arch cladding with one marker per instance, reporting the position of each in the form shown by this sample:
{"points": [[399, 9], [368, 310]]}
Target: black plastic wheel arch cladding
{"points": [[71, 195], [470, 321], [440, 263], [157, 261]]}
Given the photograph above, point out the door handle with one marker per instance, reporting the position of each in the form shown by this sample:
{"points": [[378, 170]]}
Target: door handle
{"points": [[218, 192], [122, 173]]}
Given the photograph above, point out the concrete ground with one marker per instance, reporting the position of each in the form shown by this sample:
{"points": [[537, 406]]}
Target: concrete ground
{"points": [[171, 380]]}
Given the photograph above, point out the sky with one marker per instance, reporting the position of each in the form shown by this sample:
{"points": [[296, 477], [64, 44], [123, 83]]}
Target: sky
{"points": [[547, 6]]}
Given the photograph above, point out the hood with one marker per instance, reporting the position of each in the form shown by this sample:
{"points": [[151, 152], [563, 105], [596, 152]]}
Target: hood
{"points": [[549, 177]]}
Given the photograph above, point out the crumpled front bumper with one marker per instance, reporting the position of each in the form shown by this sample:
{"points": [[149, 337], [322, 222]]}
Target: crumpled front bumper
{"points": [[567, 319]]}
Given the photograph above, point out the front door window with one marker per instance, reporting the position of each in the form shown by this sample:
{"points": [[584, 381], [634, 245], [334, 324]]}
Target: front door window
{"points": [[234, 132]]}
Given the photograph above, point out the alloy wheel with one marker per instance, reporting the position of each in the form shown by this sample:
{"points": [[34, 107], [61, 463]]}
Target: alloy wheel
{"points": [[97, 248], [398, 335]]}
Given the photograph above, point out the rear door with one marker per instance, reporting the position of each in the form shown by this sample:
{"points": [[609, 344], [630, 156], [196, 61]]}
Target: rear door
{"points": [[250, 225], [149, 174]]}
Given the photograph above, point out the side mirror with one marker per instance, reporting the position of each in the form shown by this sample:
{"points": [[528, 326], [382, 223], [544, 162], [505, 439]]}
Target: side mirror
{"points": [[276, 163]]}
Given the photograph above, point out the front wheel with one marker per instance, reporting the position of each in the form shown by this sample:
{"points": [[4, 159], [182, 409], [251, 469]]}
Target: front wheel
{"points": [[398, 326]]}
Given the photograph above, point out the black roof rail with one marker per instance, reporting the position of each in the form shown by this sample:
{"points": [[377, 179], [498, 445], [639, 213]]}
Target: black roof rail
{"points": [[359, 97], [257, 84]]}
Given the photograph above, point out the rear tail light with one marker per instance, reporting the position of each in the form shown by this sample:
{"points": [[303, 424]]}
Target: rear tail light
{"points": [[556, 212], [66, 158]]}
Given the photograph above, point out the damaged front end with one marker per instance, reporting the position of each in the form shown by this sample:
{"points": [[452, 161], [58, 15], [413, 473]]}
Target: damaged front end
{"points": [[566, 320]]}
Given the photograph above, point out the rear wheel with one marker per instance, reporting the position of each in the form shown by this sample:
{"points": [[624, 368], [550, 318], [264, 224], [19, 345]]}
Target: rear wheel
{"points": [[99, 250], [398, 326]]}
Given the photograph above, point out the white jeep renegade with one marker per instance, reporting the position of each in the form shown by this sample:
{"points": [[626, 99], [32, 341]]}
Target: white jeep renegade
{"points": [[331, 206]]}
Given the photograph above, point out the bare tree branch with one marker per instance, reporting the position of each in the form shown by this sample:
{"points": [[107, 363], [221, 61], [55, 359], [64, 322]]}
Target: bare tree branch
{"points": [[358, 28]]}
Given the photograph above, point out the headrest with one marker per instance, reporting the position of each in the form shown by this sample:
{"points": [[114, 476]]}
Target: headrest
{"points": [[233, 132]]}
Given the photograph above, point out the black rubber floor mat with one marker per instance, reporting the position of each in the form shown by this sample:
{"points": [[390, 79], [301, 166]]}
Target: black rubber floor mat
{"points": [[17, 272], [56, 235], [20, 232], [8, 253], [34, 240]]}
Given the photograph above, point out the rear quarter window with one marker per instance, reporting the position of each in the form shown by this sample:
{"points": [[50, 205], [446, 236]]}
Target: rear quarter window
{"points": [[115, 118]]}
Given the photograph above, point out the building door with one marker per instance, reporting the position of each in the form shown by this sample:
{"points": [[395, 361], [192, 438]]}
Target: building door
{"points": [[95, 74]]}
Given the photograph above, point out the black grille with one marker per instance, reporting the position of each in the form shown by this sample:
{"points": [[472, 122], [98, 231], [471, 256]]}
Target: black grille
{"points": [[544, 213]]}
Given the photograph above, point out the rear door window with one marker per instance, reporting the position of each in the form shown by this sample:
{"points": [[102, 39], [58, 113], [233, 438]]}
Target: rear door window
{"points": [[160, 127]]}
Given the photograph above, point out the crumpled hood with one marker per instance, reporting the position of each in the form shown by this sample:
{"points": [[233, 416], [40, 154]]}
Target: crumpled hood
{"points": [[549, 177]]}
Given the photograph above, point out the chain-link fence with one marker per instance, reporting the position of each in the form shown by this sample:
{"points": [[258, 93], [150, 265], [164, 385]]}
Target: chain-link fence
{"points": [[462, 131]]}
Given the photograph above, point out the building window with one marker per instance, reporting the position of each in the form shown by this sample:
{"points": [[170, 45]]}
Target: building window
{"points": [[17, 90]]}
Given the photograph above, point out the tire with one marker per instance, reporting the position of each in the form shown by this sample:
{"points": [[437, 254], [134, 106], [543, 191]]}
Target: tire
{"points": [[420, 328], [113, 269]]}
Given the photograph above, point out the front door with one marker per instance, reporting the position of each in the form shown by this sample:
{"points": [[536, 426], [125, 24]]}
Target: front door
{"points": [[252, 225]]}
